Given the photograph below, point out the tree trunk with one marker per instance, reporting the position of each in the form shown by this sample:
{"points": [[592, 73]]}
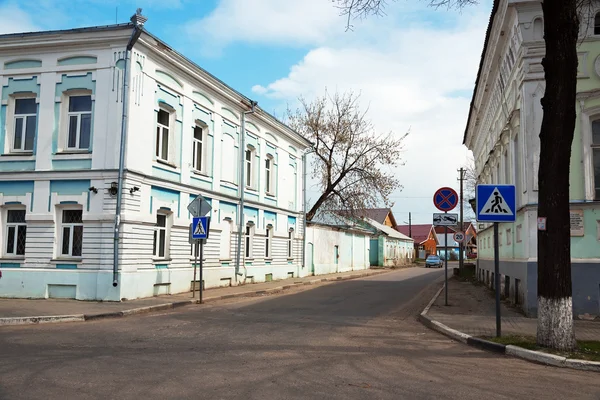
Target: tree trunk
{"points": [[555, 312]]}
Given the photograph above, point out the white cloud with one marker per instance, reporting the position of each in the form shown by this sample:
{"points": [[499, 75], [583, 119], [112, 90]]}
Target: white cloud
{"points": [[13, 20], [271, 21], [406, 76]]}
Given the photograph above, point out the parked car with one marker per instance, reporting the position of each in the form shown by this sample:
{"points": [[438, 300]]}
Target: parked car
{"points": [[433, 261]]}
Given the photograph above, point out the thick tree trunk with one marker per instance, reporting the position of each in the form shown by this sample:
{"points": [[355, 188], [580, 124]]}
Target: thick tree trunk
{"points": [[555, 313]]}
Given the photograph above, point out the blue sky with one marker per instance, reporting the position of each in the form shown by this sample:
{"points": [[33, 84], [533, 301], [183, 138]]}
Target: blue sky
{"points": [[415, 67]]}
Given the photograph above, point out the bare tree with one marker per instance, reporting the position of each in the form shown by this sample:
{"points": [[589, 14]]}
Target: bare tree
{"points": [[352, 163], [561, 31]]}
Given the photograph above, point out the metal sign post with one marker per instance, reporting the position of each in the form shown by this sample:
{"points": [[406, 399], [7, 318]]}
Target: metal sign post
{"points": [[446, 265], [497, 281], [195, 264], [496, 203], [445, 199], [199, 229], [201, 270]]}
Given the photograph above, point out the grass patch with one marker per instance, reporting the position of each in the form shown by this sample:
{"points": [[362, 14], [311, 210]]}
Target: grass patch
{"points": [[586, 349]]}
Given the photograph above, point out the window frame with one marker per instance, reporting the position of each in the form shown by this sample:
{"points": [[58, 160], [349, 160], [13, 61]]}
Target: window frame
{"points": [[594, 147], [63, 139], [11, 120], [159, 131], [17, 225], [156, 229], [250, 167], [269, 175], [249, 241], [269, 242], [290, 244], [202, 143], [71, 226]]}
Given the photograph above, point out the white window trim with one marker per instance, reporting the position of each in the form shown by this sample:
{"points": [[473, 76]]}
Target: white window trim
{"points": [[64, 121], [10, 121], [61, 226], [6, 224], [250, 182], [269, 243], [171, 145], [156, 229], [203, 141], [290, 244], [270, 174], [587, 117], [249, 241]]}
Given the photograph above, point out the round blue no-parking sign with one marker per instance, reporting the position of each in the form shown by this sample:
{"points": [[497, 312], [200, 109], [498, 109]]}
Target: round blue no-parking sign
{"points": [[445, 199]]}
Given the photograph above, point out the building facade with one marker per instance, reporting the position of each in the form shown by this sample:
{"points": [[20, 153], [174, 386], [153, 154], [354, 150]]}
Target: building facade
{"points": [[503, 133], [62, 117]]}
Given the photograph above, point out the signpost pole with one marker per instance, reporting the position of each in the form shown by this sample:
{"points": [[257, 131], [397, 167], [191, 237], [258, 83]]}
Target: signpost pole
{"points": [[201, 262], [195, 264], [497, 280], [446, 264]]}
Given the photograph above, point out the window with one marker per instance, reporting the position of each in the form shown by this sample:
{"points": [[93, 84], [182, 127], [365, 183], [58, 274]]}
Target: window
{"points": [[596, 157], [159, 246], [16, 232], [197, 149], [269, 183], [290, 246], [72, 233], [268, 242], [519, 227], [597, 24], [249, 170], [509, 236], [162, 135], [248, 239], [225, 253], [24, 124], [80, 122]]}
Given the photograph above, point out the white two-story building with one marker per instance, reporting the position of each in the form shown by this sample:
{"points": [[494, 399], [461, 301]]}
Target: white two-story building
{"points": [[68, 99], [503, 132]]}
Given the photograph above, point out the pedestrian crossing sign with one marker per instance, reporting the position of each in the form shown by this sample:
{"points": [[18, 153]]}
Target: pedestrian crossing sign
{"points": [[496, 203], [200, 228]]}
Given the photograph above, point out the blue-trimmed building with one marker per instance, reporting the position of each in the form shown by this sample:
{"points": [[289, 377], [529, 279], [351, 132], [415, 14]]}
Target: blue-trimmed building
{"points": [[61, 123]]}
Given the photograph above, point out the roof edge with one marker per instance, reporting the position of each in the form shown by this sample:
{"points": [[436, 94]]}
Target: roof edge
{"points": [[495, 7]]}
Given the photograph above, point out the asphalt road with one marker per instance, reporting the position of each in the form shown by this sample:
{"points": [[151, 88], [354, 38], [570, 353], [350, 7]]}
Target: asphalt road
{"points": [[350, 340]]}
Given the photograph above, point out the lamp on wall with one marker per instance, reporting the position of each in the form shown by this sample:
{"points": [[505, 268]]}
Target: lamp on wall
{"points": [[114, 187], [134, 189], [93, 189]]}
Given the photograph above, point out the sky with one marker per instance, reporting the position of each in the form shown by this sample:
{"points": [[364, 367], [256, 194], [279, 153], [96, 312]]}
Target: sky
{"points": [[414, 67]]}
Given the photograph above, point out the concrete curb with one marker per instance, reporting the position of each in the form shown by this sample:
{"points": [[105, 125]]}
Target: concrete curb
{"points": [[536, 356], [510, 350], [170, 306], [46, 319]]}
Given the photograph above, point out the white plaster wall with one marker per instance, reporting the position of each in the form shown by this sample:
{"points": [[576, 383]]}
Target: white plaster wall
{"points": [[353, 250]]}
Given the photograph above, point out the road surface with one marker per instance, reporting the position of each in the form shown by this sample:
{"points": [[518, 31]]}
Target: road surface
{"points": [[356, 339]]}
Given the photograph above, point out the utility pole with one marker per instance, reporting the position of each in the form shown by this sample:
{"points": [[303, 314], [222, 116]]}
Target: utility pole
{"points": [[409, 226], [461, 244]]}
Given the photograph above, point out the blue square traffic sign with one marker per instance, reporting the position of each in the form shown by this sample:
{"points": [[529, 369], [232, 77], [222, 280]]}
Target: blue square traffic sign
{"points": [[200, 228], [496, 203]]}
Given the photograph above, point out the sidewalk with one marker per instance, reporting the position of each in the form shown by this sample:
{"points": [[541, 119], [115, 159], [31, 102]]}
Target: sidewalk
{"points": [[472, 310], [23, 311]]}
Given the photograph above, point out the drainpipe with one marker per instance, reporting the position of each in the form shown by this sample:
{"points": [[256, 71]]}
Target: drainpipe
{"points": [[138, 21], [242, 187]]}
